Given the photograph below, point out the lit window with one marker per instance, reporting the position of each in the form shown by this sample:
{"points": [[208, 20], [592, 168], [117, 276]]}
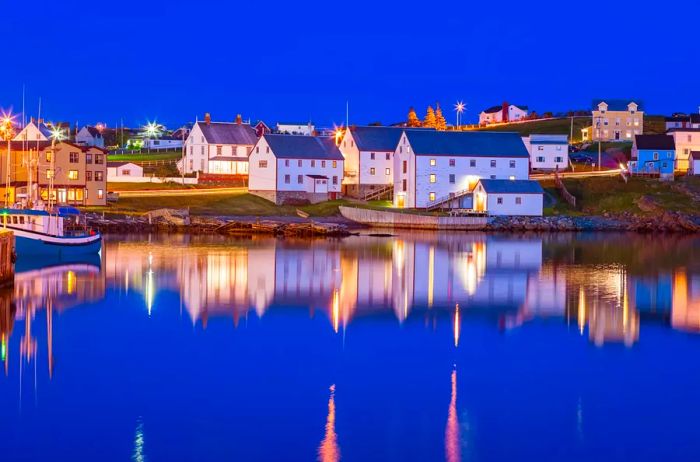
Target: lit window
{"points": [[431, 196], [335, 164], [387, 171], [100, 193], [433, 162], [49, 174], [262, 164], [511, 178], [371, 171], [433, 178], [99, 176]]}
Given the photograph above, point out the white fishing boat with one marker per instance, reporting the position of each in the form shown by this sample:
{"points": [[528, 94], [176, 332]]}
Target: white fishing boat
{"points": [[59, 232]]}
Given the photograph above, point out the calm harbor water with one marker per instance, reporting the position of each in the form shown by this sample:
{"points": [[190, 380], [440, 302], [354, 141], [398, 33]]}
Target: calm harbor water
{"points": [[419, 347]]}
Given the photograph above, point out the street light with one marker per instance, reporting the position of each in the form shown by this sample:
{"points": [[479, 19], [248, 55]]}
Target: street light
{"points": [[57, 134], [459, 108], [7, 133], [151, 130]]}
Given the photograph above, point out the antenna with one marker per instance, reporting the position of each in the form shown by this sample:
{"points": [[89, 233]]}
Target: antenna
{"points": [[347, 114]]}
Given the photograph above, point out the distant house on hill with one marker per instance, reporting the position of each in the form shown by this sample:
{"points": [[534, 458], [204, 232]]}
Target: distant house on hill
{"points": [[90, 136], [503, 113], [295, 128], [35, 131], [261, 128], [615, 120], [220, 148], [683, 121], [653, 155]]}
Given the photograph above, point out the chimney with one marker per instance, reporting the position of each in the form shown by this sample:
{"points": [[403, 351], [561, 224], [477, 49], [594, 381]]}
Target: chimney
{"points": [[31, 120], [239, 119], [40, 121], [207, 118], [505, 111]]}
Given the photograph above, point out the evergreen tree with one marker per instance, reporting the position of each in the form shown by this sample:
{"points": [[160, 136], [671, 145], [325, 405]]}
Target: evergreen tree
{"points": [[429, 121], [440, 122], [413, 120]]}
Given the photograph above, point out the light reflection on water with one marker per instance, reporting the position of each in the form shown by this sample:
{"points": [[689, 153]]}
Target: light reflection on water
{"points": [[608, 289]]}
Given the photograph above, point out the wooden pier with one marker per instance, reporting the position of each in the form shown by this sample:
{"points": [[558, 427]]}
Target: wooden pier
{"points": [[387, 219], [7, 257]]}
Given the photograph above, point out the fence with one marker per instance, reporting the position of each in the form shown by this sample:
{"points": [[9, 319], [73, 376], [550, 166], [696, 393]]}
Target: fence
{"points": [[151, 179], [568, 197]]}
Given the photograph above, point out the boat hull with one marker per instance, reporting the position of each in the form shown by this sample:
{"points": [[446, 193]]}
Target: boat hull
{"points": [[27, 243]]}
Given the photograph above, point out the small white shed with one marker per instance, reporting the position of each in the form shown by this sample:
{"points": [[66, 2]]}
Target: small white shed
{"points": [[123, 169], [509, 197]]}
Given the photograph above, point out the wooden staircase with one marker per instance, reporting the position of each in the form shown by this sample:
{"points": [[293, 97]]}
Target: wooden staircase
{"points": [[441, 202], [385, 192]]}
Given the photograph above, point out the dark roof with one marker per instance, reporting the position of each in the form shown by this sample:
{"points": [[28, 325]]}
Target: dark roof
{"points": [[695, 118], [618, 104], [318, 177], [654, 142], [512, 186], [687, 129], [695, 155], [228, 133], [376, 138], [494, 109], [94, 132], [469, 144], [303, 147]]}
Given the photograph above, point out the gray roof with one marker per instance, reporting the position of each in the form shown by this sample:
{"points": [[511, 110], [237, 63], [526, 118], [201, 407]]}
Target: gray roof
{"points": [[303, 147], [495, 109], [467, 144], [228, 133], [618, 104], [659, 142], [376, 138], [512, 186]]}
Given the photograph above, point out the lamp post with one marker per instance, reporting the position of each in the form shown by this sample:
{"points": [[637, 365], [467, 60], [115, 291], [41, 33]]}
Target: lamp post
{"points": [[151, 130], [459, 109], [56, 135], [7, 132]]}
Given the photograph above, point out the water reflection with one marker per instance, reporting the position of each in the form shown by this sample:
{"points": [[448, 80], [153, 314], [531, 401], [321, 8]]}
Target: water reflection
{"points": [[329, 451]]}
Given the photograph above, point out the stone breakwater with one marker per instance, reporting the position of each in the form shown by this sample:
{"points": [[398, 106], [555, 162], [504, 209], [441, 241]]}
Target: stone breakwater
{"points": [[667, 222]]}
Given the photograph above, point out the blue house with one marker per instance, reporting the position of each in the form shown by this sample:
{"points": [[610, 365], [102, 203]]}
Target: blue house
{"points": [[653, 155]]}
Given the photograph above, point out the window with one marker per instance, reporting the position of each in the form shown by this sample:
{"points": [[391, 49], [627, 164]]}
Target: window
{"points": [[335, 179], [287, 179], [72, 174], [539, 160], [404, 167], [335, 164], [323, 164], [286, 162], [201, 164], [49, 174], [472, 162], [99, 159], [499, 201], [300, 179], [433, 178], [433, 162], [99, 176], [452, 162], [257, 149], [388, 156], [313, 163], [558, 148], [493, 163], [512, 164], [518, 200], [267, 150], [452, 178], [201, 150], [262, 164], [540, 148], [431, 196], [88, 176], [100, 193], [656, 156], [558, 159], [49, 155], [403, 185], [371, 171], [371, 156], [191, 150], [690, 138], [387, 171], [493, 177], [511, 178], [201, 139], [88, 158], [218, 150], [300, 163]]}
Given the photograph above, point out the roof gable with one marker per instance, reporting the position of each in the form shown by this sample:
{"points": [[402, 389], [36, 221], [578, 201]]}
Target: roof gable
{"points": [[511, 186], [303, 147], [618, 104], [228, 133], [467, 144], [376, 138]]}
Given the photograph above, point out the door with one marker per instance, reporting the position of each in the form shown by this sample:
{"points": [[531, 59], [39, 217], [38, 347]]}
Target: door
{"points": [[617, 135], [62, 196], [480, 205], [400, 201]]}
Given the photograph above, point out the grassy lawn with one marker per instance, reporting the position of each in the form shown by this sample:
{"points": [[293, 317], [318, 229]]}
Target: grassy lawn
{"points": [[599, 195], [142, 157]]}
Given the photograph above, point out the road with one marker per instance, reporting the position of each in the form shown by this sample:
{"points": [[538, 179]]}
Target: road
{"points": [[550, 176], [181, 192]]}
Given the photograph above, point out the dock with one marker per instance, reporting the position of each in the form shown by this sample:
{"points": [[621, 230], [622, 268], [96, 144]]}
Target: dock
{"points": [[7, 257], [387, 219]]}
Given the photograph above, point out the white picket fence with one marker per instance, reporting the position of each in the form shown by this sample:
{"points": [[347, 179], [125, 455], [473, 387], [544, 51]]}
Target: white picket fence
{"points": [[151, 179]]}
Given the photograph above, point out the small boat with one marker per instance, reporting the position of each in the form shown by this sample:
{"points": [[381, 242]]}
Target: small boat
{"points": [[58, 232]]}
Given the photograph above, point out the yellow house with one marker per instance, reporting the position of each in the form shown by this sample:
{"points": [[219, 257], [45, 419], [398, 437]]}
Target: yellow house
{"points": [[615, 120]]}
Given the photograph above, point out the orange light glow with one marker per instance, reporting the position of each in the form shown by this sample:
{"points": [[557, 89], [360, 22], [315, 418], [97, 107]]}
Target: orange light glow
{"points": [[329, 451]]}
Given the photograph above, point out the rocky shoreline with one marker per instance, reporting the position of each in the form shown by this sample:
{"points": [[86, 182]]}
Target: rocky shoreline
{"points": [[666, 222]]}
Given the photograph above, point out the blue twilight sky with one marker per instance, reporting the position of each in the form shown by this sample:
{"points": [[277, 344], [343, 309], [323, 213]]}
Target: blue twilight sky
{"points": [[295, 61]]}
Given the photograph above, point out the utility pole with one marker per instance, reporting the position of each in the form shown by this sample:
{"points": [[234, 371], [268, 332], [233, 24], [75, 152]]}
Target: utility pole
{"points": [[600, 138]]}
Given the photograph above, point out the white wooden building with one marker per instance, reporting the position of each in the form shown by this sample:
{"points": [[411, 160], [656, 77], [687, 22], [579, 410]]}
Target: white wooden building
{"points": [[369, 158], [90, 136], [430, 166], [694, 163], [503, 113], [123, 169], [306, 129], [294, 168], [34, 131], [219, 148], [509, 197], [548, 152]]}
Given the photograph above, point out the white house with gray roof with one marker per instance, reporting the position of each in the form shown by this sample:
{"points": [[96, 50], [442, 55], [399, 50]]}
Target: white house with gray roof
{"points": [[509, 197], [548, 152], [219, 148], [369, 158], [431, 167], [294, 169]]}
